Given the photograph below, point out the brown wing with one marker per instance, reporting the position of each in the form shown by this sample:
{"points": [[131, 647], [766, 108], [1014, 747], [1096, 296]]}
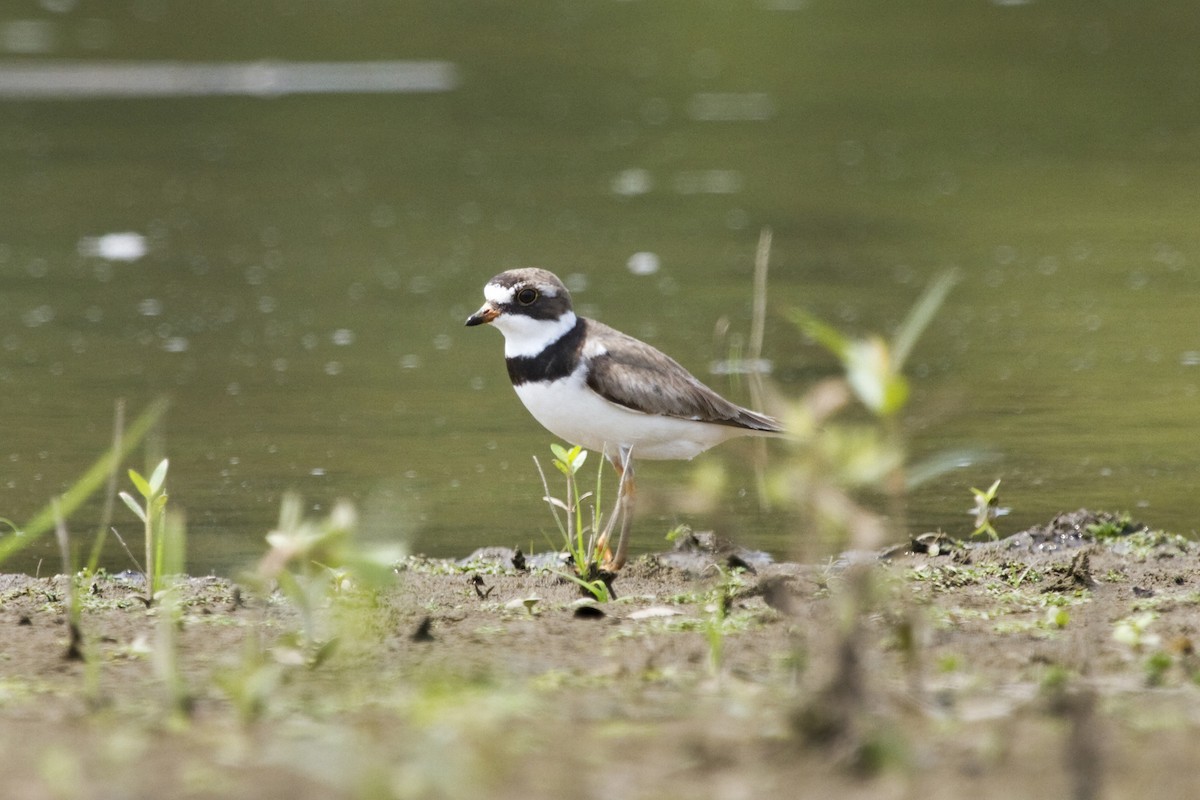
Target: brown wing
{"points": [[633, 374]]}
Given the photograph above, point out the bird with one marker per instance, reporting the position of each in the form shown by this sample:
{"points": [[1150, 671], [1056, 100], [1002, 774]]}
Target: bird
{"points": [[594, 386]]}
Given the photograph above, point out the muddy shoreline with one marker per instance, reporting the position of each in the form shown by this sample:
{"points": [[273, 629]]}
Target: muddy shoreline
{"points": [[1058, 662]]}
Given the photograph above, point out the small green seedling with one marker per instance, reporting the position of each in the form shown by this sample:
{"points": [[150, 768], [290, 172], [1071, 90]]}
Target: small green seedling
{"points": [[1111, 528], [86, 485], [315, 562], [569, 462], [1157, 665], [252, 681], [582, 537], [1057, 617], [987, 508], [720, 602], [152, 516], [679, 533], [170, 550], [1134, 632]]}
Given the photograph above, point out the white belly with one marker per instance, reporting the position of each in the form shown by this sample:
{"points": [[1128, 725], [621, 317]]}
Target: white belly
{"points": [[573, 412]]}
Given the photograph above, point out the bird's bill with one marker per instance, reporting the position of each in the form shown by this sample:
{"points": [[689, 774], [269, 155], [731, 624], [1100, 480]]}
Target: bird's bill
{"points": [[484, 315]]}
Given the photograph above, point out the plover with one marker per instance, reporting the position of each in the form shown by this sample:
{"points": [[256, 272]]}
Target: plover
{"points": [[596, 387]]}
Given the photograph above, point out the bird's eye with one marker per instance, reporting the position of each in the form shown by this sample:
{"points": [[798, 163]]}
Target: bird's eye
{"points": [[527, 296]]}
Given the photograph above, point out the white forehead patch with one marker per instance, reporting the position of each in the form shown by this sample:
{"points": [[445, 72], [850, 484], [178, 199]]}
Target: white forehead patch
{"points": [[500, 295], [497, 295]]}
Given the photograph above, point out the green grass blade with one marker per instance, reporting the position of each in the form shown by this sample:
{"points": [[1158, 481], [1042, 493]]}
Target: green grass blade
{"points": [[172, 545], [919, 317], [944, 462], [596, 588], [824, 334], [91, 480]]}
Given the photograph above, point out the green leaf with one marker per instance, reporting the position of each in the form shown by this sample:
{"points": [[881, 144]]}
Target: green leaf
{"points": [[91, 480], [322, 653], [291, 512], [597, 588], [160, 475], [554, 501], [140, 483], [895, 395], [824, 334], [133, 505], [567, 461], [869, 373], [919, 317]]}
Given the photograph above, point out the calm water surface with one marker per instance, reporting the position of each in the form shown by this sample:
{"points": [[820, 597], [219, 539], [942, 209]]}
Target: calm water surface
{"points": [[309, 259]]}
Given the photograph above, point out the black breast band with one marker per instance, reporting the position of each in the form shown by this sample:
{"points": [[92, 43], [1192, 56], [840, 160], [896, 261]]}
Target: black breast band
{"points": [[558, 360]]}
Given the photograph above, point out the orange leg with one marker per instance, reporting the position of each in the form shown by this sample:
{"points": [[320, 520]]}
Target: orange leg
{"points": [[623, 464]]}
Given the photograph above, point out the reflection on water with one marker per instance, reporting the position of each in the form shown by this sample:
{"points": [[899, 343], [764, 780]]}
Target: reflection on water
{"points": [[294, 270], [92, 80], [123, 246]]}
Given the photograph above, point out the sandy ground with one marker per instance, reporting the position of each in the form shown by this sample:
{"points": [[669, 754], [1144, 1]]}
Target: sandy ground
{"points": [[1057, 663]]}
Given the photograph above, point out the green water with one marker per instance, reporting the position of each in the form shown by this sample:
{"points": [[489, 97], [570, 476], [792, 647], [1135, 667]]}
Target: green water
{"points": [[312, 258]]}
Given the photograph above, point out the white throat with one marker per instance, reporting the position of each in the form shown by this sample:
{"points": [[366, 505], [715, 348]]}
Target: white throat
{"points": [[526, 336]]}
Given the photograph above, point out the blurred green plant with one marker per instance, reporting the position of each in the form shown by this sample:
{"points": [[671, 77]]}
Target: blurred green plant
{"points": [[92, 479], [167, 546], [718, 604], [315, 563], [252, 680], [1157, 665], [1134, 632], [987, 508], [75, 649], [830, 466], [830, 462], [170, 556], [110, 494], [166, 563], [874, 369], [329, 578]]}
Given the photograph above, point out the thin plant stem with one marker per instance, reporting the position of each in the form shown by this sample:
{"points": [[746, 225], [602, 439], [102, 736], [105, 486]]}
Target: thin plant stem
{"points": [[597, 500], [758, 319], [894, 485], [171, 554], [573, 513], [75, 645], [87, 484], [110, 491], [563, 529], [151, 566], [128, 552], [758, 324]]}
